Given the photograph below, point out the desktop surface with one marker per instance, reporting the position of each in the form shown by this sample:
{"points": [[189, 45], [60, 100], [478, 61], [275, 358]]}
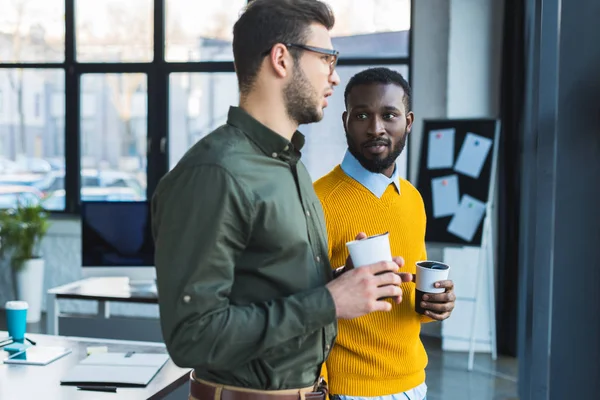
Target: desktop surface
{"points": [[108, 288], [43, 382]]}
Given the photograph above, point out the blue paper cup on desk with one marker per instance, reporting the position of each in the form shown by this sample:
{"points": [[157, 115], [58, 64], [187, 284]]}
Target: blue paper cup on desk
{"points": [[16, 319]]}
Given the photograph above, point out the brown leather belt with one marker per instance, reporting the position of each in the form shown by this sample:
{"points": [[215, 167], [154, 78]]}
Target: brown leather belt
{"points": [[202, 390]]}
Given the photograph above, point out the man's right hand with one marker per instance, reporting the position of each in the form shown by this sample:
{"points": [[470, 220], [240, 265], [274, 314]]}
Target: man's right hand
{"points": [[362, 290]]}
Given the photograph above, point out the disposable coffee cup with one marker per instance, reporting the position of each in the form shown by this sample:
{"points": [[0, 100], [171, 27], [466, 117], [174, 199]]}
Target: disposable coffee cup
{"points": [[428, 273], [370, 250], [16, 319]]}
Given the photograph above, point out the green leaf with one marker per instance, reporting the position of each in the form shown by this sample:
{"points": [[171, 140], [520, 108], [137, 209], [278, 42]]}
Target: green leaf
{"points": [[21, 232]]}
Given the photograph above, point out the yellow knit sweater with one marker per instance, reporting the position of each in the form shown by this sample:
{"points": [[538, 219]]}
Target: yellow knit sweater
{"points": [[380, 353]]}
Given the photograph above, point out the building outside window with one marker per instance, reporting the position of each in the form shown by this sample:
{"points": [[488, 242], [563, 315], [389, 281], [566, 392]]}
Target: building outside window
{"points": [[98, 100]]}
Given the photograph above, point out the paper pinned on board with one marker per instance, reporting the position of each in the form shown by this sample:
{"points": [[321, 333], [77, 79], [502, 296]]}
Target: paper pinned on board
{"points": [[440, 153], [467, 218], [445, 195], [472, 155]]}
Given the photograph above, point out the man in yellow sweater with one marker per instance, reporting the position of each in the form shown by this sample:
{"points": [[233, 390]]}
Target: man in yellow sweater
{"points": [[379, 355]]}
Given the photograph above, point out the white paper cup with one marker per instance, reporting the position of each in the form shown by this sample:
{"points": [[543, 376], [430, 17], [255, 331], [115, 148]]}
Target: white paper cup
{"points": [[370, 250], [428, 273]]}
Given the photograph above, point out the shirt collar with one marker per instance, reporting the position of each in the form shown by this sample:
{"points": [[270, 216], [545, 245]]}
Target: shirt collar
{"points": [[376, 183], [270, 142]]}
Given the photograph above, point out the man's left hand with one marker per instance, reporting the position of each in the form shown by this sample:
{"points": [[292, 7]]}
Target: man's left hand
{"points": [[439, 306]]}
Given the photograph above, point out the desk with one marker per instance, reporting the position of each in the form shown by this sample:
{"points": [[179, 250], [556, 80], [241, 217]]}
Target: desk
{"points": [[104, 291], [18, 382]]}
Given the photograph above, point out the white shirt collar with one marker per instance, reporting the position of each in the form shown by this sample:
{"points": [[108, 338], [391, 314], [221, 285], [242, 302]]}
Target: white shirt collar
{"points": [[376, 183]]}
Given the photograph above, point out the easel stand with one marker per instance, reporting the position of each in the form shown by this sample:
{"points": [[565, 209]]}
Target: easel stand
{"points": [[486, 261]]}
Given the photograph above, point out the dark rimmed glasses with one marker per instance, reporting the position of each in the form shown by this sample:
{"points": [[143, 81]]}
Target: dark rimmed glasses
{"points": [[333, 54]]}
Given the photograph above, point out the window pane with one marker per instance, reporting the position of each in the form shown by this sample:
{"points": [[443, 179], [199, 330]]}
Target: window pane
{"points": [[114, 30], [198, 103], [201, 30], [32, 31], [371, 28], [326, 141], [113, 129], [32, 134]]}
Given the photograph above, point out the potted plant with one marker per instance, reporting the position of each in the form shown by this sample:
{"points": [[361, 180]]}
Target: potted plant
{"points": [[21, 231]]}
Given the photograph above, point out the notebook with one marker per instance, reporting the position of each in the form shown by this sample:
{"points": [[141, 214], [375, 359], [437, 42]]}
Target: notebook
{"points": [[116, 369]]}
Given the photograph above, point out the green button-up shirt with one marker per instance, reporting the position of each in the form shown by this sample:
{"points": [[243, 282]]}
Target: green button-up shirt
{"points": [[241, 260]]}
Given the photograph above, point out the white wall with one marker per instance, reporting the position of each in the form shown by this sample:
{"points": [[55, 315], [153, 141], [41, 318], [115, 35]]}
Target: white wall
{"points": [[430, 30], [456, 71], [474, 57]]}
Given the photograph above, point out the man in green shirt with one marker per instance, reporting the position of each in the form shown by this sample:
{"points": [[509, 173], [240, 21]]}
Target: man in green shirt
{"points": [[247, 298]]}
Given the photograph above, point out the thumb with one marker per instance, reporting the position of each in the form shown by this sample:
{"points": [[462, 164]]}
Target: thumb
{"points": [[399, 261], [382, 305], [360, 236], [405, 276]]}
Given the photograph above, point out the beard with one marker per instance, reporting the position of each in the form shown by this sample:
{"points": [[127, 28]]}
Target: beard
{"points": [[376, 164], [300, 99]]}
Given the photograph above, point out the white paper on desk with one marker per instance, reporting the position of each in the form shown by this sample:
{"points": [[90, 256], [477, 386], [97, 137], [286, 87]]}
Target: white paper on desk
{"points": [[123, 359], [472, 155], [137, 369], [444, 192], [441, 149], [467, 218]]}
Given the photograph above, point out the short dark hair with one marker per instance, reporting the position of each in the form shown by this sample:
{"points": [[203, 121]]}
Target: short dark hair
{"points": [[383, 76], [265, 23]]}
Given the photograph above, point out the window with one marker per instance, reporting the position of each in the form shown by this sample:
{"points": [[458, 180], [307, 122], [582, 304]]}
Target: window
{"points": [[29, 151], [32, 31], [198, 103], [201, 30], [371, 28], [114, 30], [99, 99], [37, 105], [114, 110]]}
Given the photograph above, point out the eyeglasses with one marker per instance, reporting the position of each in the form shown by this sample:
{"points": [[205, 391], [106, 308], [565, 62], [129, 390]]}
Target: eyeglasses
{"points": [[333, 54]]}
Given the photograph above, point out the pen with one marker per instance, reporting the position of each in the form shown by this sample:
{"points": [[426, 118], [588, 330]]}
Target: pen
{"points": [[111, 389], [30, 341]]}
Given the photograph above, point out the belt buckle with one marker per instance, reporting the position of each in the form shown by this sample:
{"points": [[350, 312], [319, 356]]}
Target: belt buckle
{"points": [[322, 386]]}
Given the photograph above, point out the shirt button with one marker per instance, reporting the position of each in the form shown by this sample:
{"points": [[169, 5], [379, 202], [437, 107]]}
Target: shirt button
{"points": [[187, 298], [286, 148], [327, 347], [318, 259], [274, 155], [307, 213]]}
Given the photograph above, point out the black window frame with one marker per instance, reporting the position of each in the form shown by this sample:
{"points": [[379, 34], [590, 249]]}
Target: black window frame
{"points": [[158, 72]]}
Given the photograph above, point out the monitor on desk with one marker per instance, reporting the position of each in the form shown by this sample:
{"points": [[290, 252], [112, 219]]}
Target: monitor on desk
{"points": [[116, 240]]}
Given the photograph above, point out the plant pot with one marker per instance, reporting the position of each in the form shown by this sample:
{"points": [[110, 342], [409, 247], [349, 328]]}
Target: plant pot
{"points": [[30, 287]]}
